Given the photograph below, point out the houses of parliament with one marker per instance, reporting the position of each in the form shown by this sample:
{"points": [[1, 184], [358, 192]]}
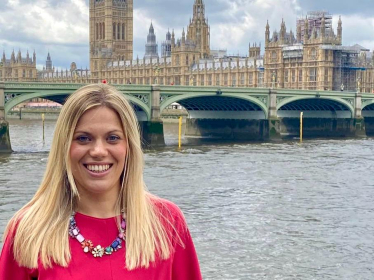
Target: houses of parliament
{"points": [[312, 58]]}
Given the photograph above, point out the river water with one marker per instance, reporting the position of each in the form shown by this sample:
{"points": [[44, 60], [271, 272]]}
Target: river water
{"points": [[255, 211]]}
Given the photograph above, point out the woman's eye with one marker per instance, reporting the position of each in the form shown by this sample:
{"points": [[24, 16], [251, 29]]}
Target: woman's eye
{"points": [[83, 138], [113, 138]]}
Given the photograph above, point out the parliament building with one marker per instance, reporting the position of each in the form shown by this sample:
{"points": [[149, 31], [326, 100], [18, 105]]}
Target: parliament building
{"points": [[312, 58]]}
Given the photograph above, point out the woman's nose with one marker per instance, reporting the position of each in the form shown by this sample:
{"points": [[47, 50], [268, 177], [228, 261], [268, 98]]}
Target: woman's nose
{"points": [[99, 149]]}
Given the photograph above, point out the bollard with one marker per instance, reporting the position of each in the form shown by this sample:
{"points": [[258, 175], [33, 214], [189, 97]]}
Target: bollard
{"points": [[180, 133], [43, 126], [301, 127]]}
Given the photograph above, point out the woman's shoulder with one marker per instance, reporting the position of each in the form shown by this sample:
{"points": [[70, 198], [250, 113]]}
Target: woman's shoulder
{"points": [[166, 206], [168, 210]]}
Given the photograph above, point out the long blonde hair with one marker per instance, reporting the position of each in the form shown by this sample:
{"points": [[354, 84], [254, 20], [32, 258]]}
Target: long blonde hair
{"points": [[40, 228]]}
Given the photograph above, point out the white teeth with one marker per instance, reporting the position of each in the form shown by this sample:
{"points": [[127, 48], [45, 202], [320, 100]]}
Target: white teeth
{"points": [[98, 168]]}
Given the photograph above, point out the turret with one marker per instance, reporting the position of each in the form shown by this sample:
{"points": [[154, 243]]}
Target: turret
{"points": [[48, 63], [173, 39], [19, 56], [267, 33], [306, 31], [340, 30], [291, 37], [34, 58], [4, 58], [298, 33], [13, 57], [183, 37], [314, 33], [282, 35], [323, 27]]}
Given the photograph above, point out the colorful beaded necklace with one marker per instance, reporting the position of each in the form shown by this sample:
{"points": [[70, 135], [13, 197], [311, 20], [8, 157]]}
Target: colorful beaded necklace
{"points": [[88, 246]]}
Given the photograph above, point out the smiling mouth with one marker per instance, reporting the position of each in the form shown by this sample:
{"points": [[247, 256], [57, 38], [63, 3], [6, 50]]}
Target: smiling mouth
{"points": [[98, 168]]}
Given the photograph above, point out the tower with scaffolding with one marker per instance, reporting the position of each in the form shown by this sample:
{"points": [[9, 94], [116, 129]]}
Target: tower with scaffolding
{"points": [[315, 21], [316, 59]]}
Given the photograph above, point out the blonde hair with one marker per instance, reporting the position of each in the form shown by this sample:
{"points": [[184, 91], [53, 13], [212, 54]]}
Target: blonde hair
{"points": [[41, 227]]}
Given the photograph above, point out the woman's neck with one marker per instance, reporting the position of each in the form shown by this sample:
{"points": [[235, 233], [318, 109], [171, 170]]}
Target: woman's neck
{"points": [[97, 205]]}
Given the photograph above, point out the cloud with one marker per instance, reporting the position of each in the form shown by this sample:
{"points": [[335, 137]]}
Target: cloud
{"points": [[61, 27]]}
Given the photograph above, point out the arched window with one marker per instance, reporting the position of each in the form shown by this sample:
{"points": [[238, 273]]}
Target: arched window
{"points": [[103, 28], [114, 31], [97, 31], [274, 56], [187, 60], [119, 31], [123, 31], [100, 34], [313, 54]]}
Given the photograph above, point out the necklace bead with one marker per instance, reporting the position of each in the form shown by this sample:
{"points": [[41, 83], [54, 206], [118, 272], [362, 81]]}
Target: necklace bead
{"points": [[88, 246]]}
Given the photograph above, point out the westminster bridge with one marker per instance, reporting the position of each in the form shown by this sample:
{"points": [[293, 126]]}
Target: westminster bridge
{"points": [[221, 112]]}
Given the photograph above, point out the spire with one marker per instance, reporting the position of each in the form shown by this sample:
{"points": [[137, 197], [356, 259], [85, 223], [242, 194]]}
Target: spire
{"points": [[323, 27], [267, 33], [183, 36], [298, 33], [340, 31], [291, 37], [48, 63], [306, 30], [19, 56]]}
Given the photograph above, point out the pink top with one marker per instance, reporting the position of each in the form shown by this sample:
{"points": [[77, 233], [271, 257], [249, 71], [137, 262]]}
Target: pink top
{"points": [[182, 264]]}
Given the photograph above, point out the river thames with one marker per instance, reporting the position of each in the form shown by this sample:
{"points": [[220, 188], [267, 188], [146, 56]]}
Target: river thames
{"points": [[255, 211]]}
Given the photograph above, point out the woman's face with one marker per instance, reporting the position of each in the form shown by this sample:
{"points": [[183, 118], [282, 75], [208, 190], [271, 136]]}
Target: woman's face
{"points": [[98, 152]]}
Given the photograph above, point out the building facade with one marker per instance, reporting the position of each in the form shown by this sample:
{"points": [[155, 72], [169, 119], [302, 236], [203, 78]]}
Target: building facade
{"points": [[18, 68], [313, 58]]}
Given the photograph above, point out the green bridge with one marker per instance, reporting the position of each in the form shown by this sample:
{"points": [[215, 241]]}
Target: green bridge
{"points": [[233, 113]]}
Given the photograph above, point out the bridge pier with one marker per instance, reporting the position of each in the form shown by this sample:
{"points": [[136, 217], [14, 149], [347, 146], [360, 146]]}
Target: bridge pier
{"points": [[358, 122], [5, 146], [153, 130], [226, 129], [274, 122]]}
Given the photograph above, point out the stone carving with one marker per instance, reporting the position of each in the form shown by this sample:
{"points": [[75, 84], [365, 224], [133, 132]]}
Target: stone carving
{"points": [[280, 99], [164, 97], [142, 97], [263, 99], [349, 100], [10, 96]]}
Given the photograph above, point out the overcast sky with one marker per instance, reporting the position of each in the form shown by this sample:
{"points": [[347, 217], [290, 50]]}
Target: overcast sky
{"points": [[61, 26]]}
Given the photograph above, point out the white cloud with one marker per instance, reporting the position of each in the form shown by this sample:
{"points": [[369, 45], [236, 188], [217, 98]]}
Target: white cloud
{"points": [[357, 30], [245, 22], [61, 27]]}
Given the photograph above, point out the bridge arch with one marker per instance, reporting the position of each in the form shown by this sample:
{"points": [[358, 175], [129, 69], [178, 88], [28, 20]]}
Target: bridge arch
{"points": [[327, 107], [139, 106], [240, 107], [368, 109]]}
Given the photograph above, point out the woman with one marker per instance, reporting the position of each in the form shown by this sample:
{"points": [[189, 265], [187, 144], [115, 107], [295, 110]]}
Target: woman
{"points": [[91, 217]]}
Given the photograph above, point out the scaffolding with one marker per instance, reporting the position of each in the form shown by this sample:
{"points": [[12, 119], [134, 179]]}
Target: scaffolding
{"points": [[346, 67], [315, 21]]}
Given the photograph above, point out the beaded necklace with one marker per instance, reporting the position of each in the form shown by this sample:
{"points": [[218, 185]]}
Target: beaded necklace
{"points": [[88, 246]]}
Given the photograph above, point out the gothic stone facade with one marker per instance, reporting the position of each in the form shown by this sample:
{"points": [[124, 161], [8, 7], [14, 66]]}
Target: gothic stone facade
{"points": [[314, 59], [18, 68]]}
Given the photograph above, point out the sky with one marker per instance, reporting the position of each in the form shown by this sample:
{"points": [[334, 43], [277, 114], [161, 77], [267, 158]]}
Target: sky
{"points": [[61, 26]]}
